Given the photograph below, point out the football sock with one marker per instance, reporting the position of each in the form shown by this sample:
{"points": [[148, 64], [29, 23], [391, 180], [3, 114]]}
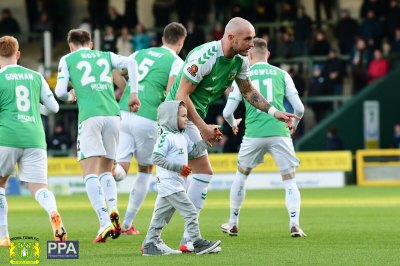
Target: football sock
{"points": [[292, 200], [136, 198], [110, 190], [237, 196], [197, 190], [96, 197], [46, 199], [3, 213]]}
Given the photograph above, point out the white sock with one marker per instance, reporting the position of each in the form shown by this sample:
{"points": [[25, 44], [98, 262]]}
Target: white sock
{"points": [[3, 213], [197, 190], [96, 197], [46, 199], [136, 198], [292, 201], [110, 190], [119, 173], [237, 196]]}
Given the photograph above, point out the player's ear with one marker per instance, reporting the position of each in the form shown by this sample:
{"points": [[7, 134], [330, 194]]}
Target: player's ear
{"points": [[90, 45], [17, 55]]}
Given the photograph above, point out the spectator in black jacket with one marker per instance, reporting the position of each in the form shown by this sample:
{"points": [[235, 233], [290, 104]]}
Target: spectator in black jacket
{"points": [[345, 31], [302, 31], [8, 24], [333, 73]]}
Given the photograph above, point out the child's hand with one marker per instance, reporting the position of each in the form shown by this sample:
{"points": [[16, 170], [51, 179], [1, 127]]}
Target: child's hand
{"points": [[186, 170]]}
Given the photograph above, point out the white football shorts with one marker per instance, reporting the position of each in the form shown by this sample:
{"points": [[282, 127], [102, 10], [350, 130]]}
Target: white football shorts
{"points": [[98, 136], [252, 151], [32, 163], [137, 137]]}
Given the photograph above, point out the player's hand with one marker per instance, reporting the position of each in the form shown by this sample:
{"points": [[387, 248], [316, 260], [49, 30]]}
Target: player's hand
{"points": [[186, 171], [286, 117], [235, 127], [292, 130], [134, 103], [209, 134]]}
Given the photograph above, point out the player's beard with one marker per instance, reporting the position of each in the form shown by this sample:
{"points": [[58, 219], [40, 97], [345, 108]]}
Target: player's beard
{"points": [[238, 51]]}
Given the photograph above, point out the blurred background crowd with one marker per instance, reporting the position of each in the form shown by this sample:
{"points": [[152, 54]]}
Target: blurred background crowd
{"points": [[331, 55]]}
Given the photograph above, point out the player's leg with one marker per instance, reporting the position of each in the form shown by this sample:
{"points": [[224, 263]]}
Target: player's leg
{"points": [[90, 153], [282, 151], [144, 138], [251, 154], [110, 136], [8, 159], [32, 168]]}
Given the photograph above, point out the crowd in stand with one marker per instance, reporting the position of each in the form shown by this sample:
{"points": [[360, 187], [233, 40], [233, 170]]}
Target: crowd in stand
{"points": [[340, 47]]}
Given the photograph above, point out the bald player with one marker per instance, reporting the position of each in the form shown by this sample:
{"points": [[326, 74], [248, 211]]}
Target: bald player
{"points": [[208, 71]]}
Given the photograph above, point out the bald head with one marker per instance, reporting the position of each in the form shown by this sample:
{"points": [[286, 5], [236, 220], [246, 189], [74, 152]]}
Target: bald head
{"points": [[237, 25], [238, 37]]}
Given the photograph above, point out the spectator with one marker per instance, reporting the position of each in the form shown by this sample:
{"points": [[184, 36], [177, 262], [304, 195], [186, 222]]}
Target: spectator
{"points": [[161, 11], [141, 39], [286, 46], [194, 38], [345, 31], [288, 11], [44, 24], [320, 46], [368, 5], [396, 136], [378, 67], [61, 140], [108, 43], [8, 24], [302, 31], [396, 41], [333, 73], [131, 16], [392, 19], [98, 13], [359, 63], [124, 42], [329, 5], [114, 19], [333, 142], [85, 25], [317, 88], [218, 31], [371, 30]]}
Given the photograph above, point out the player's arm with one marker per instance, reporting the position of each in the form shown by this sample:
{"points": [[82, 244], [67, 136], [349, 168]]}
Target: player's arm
{"points": [[293, 97], [119, 79], [61, 89], [195, 149], [183, 94], [232, 104], [129, 63], [49, 104], [175, 68], [259, 102]]}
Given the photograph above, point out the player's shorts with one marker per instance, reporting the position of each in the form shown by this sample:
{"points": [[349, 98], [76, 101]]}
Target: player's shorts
{"points": [[194, 135], [98, 136], [252, 151], [32, 163], [137, 137]]}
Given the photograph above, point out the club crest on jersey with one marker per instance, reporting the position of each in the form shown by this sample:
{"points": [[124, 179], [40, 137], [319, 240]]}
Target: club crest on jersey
{"points": [[232, 75], [193, 70]]}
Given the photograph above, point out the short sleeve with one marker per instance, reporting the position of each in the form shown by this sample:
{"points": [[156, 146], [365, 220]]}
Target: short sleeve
{"points": [[245, 69], [290, 87], [162, 145], [176, 67]]}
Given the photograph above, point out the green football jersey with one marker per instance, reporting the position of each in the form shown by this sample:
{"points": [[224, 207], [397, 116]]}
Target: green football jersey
{"points": [[213, 73], [20, 121], [273, 84], [90, 73], [155, 66]]}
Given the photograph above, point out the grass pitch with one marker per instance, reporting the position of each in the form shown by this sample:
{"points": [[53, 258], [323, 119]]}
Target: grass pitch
{"points": [[349, 226]]}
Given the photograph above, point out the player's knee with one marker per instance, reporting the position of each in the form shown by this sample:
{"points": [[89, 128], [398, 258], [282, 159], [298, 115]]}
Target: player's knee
{"points": [[288, 173], [244, 170]]}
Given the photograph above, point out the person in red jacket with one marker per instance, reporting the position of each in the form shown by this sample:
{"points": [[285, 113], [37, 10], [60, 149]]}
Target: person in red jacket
{"points": [[378, 67]]}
